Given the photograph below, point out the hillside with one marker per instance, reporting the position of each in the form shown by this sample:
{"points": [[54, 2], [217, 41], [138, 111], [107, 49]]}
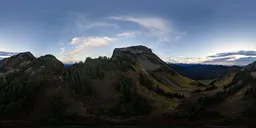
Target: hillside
{"points": [[133, 82], [235, 91]]}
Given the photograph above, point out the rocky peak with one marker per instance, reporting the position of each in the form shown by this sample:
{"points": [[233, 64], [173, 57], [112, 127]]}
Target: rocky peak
{"points": [[139, 49], [16, 61], [251, 67], [25, 56]]}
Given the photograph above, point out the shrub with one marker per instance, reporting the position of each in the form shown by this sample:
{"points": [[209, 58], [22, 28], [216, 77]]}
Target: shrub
{"points": [[57, 106], [211, 87], [13, 109]]}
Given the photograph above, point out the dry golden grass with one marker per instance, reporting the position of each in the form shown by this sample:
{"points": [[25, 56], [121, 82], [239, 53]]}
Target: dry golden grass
{"points": [[207, 81], [158, 101], [226, 80], [183, 81]]}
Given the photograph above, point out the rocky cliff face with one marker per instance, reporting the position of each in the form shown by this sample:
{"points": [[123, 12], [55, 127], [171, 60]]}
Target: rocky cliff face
{"points": [[132, 50], [16, 61], [141, 55]]}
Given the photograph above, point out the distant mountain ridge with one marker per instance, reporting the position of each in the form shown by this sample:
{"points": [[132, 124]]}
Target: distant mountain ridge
{"points": [[201, 71]]}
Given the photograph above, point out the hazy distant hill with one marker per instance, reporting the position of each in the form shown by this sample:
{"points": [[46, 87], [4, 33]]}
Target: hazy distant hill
{"points": [[68, 65], [200, 71]]}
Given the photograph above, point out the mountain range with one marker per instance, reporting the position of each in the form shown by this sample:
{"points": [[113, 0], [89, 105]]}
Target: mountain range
{"points": [[134, 86]]}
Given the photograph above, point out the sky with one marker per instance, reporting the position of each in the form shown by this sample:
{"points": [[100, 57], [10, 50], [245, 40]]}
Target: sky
{"points": [[178, 31]]}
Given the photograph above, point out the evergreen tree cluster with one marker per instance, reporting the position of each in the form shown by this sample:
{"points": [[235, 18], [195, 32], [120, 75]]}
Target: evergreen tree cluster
{"points": [[81, 74], [205, 101], [79, 79], [17, 91], [131, 103], [50, 64]]}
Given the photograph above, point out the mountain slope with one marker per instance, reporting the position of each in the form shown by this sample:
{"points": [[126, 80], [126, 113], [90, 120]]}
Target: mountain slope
{"points": [[16, 61], [133, 82], [236, 95]]}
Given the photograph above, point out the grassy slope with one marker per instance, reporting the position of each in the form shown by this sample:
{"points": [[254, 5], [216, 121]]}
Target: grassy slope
{"points": [[183, 81], [226, 80]]}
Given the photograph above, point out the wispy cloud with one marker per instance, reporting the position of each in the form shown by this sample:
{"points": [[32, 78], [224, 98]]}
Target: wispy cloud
{"points": [[157, 27], [62, 51], [242, 52], [177, 38], [180, 35], [186, 60], [127, 34], [84, 22], [3, 53], [101, 24], [83, 43], [227, 58], [231, 61]]}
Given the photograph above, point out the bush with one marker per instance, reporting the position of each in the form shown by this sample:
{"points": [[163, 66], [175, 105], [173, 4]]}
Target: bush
{"points": [[205, 101], [2, 109], [211, 87], [197, 91], [57, 106], [13, 109]]}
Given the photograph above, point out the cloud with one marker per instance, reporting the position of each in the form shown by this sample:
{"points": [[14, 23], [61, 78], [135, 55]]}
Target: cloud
{"points": [[101, 24], [84, 22], [62, 51], [218, 60], [242, 52], [157, 27], [3, 53], [228, 58], [231, 61], [127, 34], [89, 42], [177, 38], [185, 60], [180, 35]]}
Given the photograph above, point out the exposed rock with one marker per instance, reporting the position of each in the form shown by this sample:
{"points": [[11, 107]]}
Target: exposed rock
{"points": [[15, 61]]}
